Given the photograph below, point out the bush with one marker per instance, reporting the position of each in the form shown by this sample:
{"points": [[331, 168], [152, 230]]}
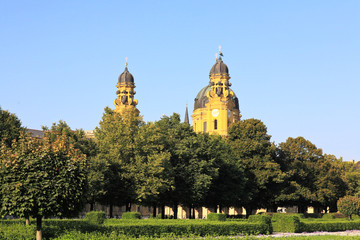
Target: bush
{"points": [[17, 230], [120, 229], [95, 217], [349, 205], [264, 219], [131, 215], [331, 226], [275, 216], [216, 217], [286, 223]]}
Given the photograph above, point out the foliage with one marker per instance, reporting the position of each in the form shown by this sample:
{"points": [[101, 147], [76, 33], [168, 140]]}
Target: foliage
{"points": [[42, 178], [17, 231], [216, 217], [10, 127], [95, 217], [147, 228], [333, 216], [76, 137], [116, 144], [330, 226], [286, 223], [329, 182], [264, 219], [299, 159], [253, 149], [151, 161], [131, 215], [349, 205]]}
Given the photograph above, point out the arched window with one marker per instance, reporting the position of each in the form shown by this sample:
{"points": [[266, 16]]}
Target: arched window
{"points": [[215, 124]]}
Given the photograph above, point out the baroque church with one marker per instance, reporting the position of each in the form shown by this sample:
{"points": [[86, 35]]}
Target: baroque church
{"points": [[215, 106]]}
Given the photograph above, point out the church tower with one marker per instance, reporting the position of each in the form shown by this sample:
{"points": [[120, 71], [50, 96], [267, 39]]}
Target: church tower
{"points": [[125, 93], [216, 105]]}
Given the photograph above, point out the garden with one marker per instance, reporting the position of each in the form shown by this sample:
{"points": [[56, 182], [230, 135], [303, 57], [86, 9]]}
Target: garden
{"points": [[217, 226]]}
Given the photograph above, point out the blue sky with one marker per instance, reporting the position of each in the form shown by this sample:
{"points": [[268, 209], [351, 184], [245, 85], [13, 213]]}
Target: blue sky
{"points": [[293, 64]]}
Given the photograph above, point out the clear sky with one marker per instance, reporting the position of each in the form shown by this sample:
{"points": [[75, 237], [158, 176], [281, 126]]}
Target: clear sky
{"points": [[293, 64]]}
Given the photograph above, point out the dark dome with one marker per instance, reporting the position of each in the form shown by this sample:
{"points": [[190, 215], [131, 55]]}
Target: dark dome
{"points": [[219, 68], [126, 77], [201, 98]]}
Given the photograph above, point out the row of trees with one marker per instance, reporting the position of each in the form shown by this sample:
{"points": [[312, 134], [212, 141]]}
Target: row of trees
{"points": [[164, 163]]}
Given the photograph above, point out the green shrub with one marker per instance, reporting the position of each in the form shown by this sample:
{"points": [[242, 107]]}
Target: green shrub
{"points": [[216, 217], [275, 216], [349, 205], [131, 215], [330, 226], [328, 216], [95, 217], [286, 223], [16, 230], [264, 219]]}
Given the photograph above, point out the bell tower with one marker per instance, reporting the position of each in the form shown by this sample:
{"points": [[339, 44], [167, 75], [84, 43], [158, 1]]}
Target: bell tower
{"points": [[216, 106], [125, 93]]}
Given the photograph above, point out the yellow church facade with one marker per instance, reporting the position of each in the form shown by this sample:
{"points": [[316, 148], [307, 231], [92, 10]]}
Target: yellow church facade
{"points": [[216, 105]]}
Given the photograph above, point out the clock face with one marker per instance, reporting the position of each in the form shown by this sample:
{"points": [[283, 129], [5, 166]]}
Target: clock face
{"points": [[215, 112]]}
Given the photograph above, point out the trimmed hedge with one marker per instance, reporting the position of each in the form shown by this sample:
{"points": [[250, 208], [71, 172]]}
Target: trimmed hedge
{"points": [[95, 217], [16, 231], [53, 228], [216, 217], [187, 228], [286, 223], [264, 219], [131, 215], [331, 226], [333, 216]]}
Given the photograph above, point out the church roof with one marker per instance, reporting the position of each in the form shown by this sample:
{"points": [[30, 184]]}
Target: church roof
{"points": [[219, 67], [201, 98], [126, 77]]}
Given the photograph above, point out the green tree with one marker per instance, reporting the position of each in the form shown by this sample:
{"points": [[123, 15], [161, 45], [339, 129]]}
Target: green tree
{"points": [[351, 176], [42, 178], [349, 205], [172, 132], [150, 164], [299, 159], [10, 127], [116, 145], [88, 147], [329, 183], [254, 151], [76, 137]]}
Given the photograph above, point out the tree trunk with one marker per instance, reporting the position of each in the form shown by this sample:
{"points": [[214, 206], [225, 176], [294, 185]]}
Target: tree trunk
{"points": [[27, 220], [128, 207], [189, 212], [302, 209], [215, 208], [154, 210], [111, 211], [333, 208], [220, 208], [175, 210], [193, 213], [38, 228], [162, 211], [248, 211], [92, 206]]}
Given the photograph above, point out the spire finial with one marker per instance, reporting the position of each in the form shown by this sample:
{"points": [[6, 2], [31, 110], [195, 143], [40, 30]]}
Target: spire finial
{"points": [[186, 120], [220, 53], [126, 58], [216, 56]]}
